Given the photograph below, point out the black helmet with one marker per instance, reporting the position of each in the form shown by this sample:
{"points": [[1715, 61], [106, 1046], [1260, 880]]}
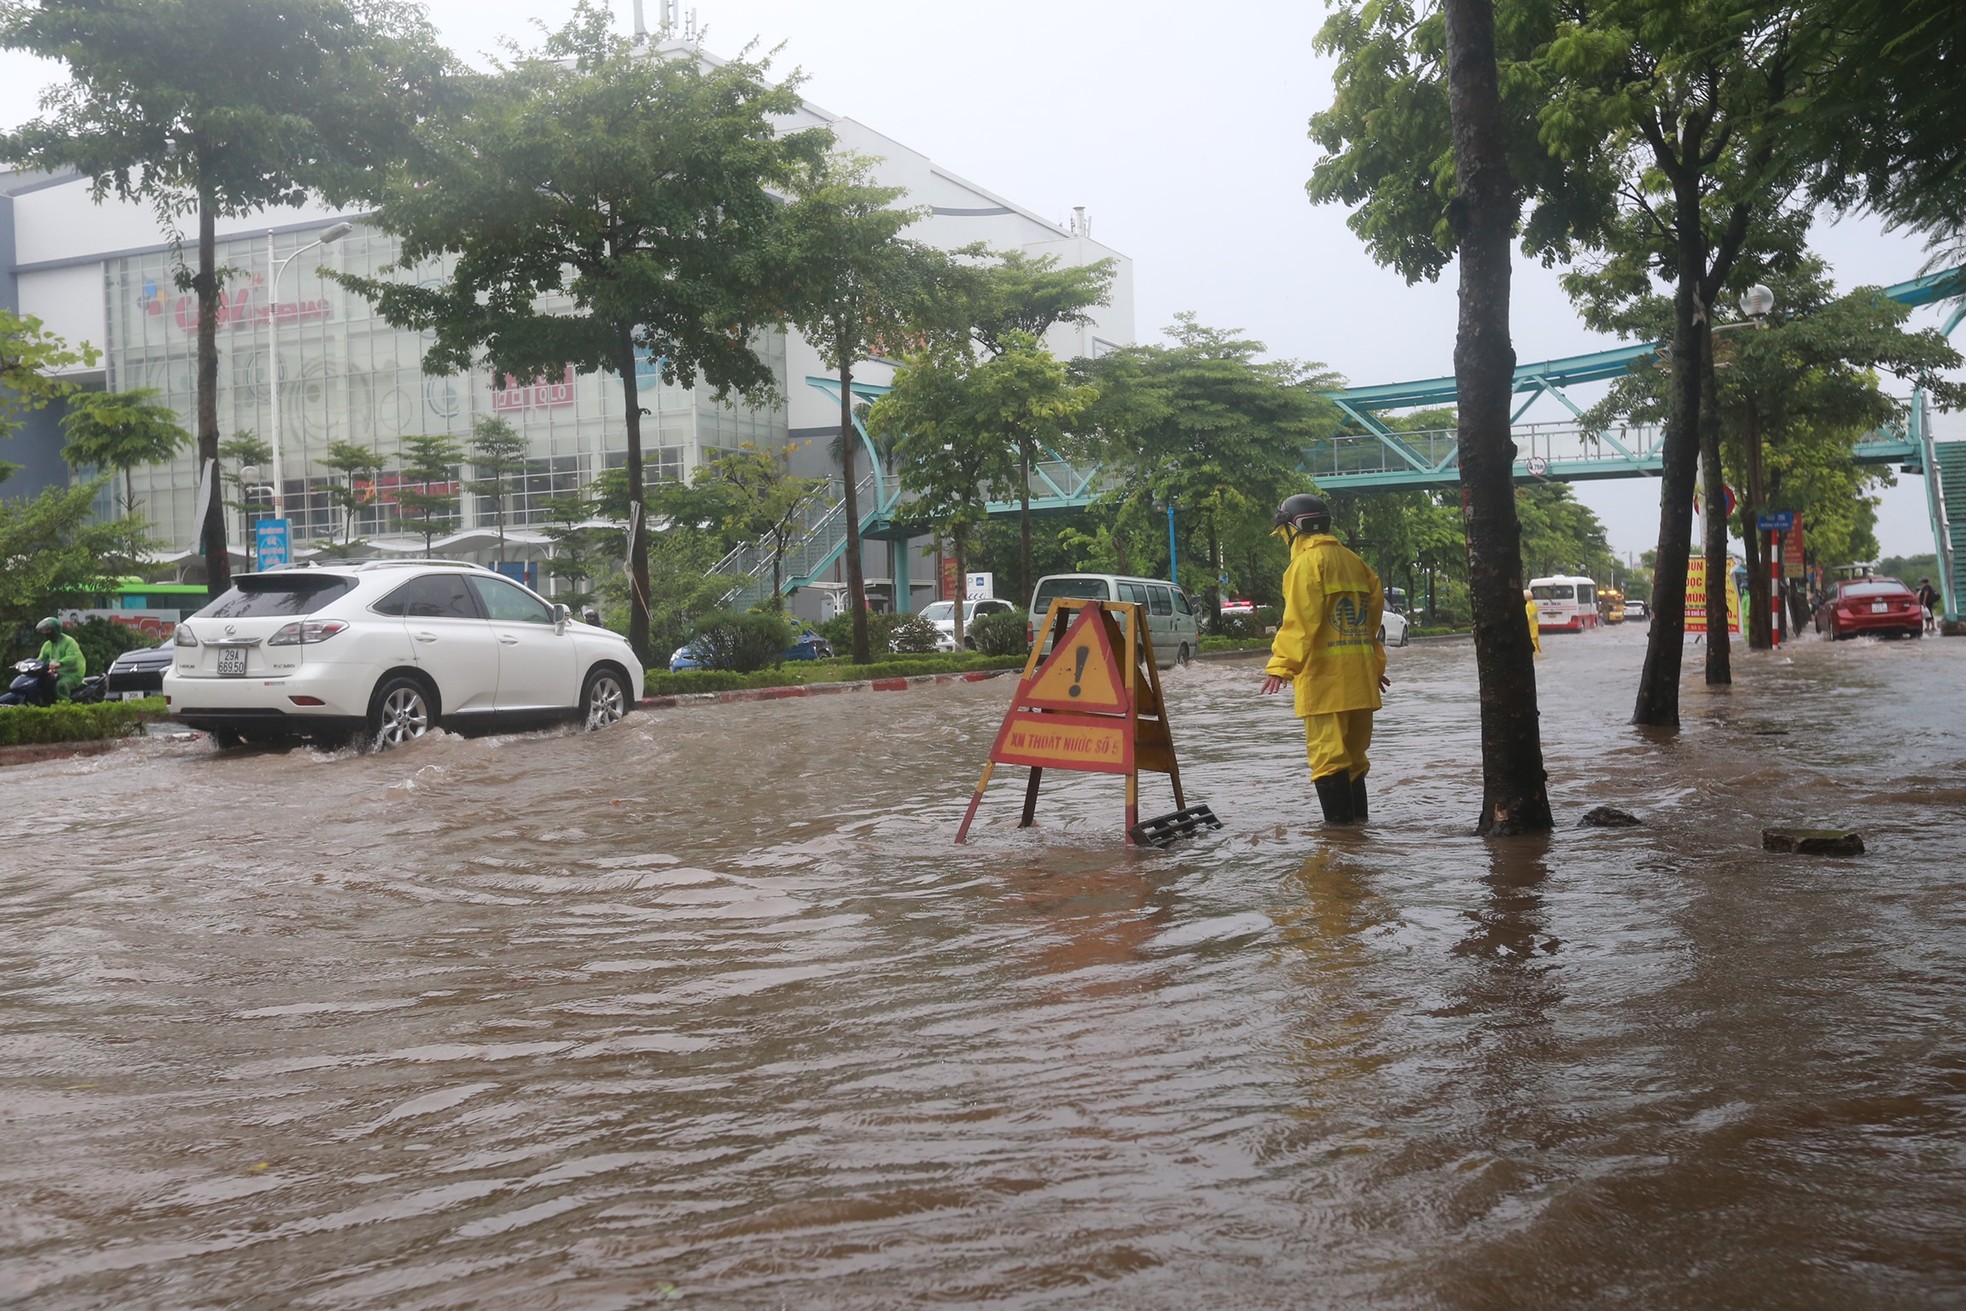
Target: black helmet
{"points": [[1296, 509]]}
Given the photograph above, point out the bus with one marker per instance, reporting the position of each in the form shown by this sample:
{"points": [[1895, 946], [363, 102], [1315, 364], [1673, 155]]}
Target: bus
{"points": [[1565, 603], [153, 609]]}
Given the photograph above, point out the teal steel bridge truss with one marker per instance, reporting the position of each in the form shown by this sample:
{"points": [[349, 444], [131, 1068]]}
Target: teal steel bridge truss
{"points": [[1377, 455]]}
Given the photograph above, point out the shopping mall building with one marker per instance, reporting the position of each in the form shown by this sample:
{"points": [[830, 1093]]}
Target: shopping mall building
{"points": [[103, 273]]}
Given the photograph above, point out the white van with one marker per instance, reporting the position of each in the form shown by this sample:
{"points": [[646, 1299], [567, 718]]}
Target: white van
{"points": [[1170, 615]]}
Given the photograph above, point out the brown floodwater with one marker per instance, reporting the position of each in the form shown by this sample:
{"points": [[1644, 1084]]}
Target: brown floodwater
{"points": [[709, 1007]]}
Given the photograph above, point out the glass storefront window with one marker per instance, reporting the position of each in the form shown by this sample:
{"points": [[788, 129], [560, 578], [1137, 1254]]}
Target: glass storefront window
{"points": [[346, 376]]}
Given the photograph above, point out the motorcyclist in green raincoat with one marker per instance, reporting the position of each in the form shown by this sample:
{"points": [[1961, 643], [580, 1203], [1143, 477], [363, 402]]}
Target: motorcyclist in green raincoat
{"points": [[64, 656]]}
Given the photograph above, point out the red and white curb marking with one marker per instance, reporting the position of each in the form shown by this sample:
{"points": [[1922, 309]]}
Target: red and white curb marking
{"points": [[676, 699]]}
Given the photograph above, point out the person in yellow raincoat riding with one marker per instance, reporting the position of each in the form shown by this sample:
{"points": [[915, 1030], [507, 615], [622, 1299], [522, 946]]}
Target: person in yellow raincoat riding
{"points": [[1328, 649]]}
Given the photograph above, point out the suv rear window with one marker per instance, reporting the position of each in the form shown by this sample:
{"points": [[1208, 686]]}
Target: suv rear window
{"points": [[267, 596]]}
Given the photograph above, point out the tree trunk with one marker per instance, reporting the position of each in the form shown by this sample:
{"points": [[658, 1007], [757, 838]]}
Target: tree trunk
{"points": [[638, 545], [1658, 682], [958, 544], [1720, 669], [218, 561], [1514, 799], [777, 576], [1760, 637], [856, 571]]}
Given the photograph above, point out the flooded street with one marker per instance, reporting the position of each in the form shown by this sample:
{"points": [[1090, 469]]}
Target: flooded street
{"points": [[708, 1007]]}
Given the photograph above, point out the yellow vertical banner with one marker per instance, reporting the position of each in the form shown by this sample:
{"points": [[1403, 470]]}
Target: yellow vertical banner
{"points": [[1696, 597]]}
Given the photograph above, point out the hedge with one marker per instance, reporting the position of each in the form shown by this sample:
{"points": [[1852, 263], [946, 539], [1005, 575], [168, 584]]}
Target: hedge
{"points": [[68, 722]]}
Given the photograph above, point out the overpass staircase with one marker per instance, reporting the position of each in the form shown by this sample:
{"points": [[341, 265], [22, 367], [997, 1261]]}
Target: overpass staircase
{"points": [[1950, 513]]}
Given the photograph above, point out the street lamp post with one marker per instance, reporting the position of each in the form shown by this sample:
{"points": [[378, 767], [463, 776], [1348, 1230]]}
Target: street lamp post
{"points": [[333, 233]]}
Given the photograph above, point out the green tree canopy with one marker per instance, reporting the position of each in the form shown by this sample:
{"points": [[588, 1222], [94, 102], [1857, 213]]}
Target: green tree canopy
{"points": [[121, 431], [427, 495], [309, 96], [1648, 131], [498, 455], [54, 553], [859, 289], [1209, 424], [761, 498], [953, 420], [359, 467], [1881, 111], [30, 359], [603, 207]]}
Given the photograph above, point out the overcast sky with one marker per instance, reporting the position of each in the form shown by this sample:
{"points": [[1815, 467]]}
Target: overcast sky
{"points": [[1182, 130]]}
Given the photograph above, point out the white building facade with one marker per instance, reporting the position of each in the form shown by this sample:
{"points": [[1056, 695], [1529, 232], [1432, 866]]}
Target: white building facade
{"points": [[105, 274]]}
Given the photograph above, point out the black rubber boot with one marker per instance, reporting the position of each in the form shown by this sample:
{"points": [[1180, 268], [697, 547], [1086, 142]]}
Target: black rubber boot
{"points": [[1358, 797], [1334, 794]]}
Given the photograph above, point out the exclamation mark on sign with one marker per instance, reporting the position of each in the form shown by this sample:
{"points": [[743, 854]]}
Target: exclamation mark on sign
{"points": [[1078, 670]]}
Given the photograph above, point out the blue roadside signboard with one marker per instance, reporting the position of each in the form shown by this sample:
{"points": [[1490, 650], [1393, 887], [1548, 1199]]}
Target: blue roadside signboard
{"points": [[272, 543], [1776, 521]]}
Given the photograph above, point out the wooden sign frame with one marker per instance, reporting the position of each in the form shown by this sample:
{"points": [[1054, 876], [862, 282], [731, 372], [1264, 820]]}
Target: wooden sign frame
{"points": [[1092, 705]]}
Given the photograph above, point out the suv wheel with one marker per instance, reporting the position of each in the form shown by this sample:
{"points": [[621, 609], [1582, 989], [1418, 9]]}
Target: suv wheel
{"points": [[605, 698], [399, 710], [1183, 656]]}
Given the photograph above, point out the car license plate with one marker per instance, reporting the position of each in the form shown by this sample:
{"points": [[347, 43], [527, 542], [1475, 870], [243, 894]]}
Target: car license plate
{"points": [[1878, 607], [232, 662]]}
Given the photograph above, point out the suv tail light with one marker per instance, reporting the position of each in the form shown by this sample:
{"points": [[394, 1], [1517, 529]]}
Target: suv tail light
{"points": [[305, 632], [182, 636]]}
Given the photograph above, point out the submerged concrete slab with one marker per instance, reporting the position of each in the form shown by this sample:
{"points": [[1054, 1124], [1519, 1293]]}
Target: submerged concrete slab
{"points": [[1813, 841]]}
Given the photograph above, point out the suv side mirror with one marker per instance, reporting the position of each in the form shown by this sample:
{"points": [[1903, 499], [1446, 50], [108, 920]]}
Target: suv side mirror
{"points": [[561, 614]]}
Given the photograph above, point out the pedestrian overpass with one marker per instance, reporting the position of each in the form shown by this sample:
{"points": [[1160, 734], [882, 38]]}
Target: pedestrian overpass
{"points": [[1377, 456]]}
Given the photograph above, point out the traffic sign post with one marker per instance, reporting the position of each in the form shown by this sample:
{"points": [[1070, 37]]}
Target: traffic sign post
{"points": [[272, 543], [1093, 705]]}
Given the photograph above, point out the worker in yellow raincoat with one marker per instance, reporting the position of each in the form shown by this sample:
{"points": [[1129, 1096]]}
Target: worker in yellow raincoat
{"points": [[1535, 614], [1328, 649]]}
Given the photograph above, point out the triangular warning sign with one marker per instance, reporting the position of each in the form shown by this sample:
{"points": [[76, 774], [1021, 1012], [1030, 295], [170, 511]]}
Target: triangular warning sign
{"points": [[1082, 672]]}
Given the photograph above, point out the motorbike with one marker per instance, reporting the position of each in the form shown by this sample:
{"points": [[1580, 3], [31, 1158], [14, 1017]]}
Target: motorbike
{"points": [[34, 685]]}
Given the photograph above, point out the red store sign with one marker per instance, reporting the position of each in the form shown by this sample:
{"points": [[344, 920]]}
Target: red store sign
{"points": [[539, 394]]}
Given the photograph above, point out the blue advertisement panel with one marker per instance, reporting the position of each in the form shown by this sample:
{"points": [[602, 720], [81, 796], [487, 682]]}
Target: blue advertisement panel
{"points": [[272, 543]]}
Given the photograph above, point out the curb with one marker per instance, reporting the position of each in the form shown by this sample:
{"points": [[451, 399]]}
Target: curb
{"points": [[36, 753], [676, 700]]}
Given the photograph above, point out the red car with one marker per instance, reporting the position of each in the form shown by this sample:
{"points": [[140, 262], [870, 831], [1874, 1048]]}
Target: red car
{"points": [[1870, 605]]}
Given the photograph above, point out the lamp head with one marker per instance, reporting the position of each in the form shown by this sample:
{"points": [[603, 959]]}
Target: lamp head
{"points": [[335, 232], [1757, 301]]}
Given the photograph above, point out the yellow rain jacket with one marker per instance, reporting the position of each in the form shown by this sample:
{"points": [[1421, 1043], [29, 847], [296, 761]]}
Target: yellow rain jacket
{"points": [[1328, 643]]}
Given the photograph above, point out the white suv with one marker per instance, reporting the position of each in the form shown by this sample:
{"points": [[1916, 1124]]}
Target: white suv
{"points": [[943, 615], [385, 650]]}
